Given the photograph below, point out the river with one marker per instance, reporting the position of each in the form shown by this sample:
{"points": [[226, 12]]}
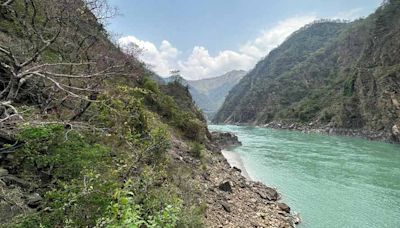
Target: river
{"points": [[331, 181]]}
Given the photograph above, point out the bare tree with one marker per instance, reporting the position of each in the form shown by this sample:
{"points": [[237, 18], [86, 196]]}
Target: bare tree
{"points": [[101, 9], [59, 55]]}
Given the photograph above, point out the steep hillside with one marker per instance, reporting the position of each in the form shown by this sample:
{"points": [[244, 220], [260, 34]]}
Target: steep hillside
{"points": [[86, 137], [209, 94], [327, 74]]}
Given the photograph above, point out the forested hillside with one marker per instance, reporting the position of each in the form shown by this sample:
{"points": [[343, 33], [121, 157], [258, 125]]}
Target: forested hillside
{"points": [[341, 75], [85, 135]]}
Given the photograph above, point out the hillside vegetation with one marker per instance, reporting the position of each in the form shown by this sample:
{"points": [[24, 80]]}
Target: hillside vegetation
{"points": [[329, 73], [86, 136]]}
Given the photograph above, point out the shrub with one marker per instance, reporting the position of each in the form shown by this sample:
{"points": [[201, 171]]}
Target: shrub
{"points": [[197, 150], [62, 153]]}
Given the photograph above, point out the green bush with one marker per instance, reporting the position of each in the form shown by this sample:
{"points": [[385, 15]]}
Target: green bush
{"points": [[60, 152], [151, 85], [125, 212], [197, 150], [126, 181]]}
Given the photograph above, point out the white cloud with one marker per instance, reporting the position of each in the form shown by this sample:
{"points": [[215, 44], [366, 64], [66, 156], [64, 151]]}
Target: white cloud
{"points": [[161, 59], [271, 38], [350, 14], [200, 64]]}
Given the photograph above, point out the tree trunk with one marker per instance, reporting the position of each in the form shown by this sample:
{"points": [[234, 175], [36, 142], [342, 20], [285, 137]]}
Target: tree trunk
{"points": [[13, 90]]}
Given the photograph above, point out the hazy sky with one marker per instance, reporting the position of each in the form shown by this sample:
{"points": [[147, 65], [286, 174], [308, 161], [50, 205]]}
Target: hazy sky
{"points": [[205, 38]]}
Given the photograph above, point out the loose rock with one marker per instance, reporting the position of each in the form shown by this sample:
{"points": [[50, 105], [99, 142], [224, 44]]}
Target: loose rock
{"points": [[226, 206], [268, 194], [284, 207], [237, 169], [34, 200], [225, 186], [225, 139]]}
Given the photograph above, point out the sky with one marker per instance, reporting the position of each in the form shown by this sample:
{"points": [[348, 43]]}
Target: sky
{"points": [[207, 38]]}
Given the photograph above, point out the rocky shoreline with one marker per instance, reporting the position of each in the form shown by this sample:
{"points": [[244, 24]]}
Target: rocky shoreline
{"points": [[235, 160], [235, 201], [391, 137]]}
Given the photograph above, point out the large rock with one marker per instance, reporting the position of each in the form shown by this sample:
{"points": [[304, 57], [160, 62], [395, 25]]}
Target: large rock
{"points": [[226, 206], [268, 193], [225, 186], [225, 139], [34, 200], [12, 180], [284, 207]]}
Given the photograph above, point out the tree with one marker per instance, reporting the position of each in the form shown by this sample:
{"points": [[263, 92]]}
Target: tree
{"points": [[50, 54]]}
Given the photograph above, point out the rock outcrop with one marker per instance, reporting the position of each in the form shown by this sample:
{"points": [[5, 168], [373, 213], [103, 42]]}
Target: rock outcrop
{"points": [[224, 140]]}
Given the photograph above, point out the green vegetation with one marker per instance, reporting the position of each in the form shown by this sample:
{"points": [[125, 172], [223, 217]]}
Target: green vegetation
{"points": [[197, 150], [118, 179], [92, 132], [329, 72]]}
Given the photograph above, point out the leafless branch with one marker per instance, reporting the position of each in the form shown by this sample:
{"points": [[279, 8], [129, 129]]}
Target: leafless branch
{"points": [[56, 61], [7, 3], [8, 111]]}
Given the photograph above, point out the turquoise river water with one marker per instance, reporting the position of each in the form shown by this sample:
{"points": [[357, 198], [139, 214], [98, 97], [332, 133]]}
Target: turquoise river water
{"points": [[331, 181]]}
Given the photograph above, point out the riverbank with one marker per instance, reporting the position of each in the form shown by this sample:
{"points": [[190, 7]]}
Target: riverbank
{"points": [[235, 201], [235, 160], [312, 170], [385, 136]]}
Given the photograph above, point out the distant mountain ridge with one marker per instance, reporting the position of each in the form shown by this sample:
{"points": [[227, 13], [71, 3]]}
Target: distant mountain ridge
{"points": [[209, 94], [329, 73]]}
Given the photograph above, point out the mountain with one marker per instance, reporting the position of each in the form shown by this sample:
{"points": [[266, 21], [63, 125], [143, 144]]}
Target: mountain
{"points": [[329, 73], [209, 94]]}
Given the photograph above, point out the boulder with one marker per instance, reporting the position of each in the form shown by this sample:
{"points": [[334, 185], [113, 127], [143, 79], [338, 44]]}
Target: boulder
{"points": [[34, 200], [206, 176], [12, 180], [237, 169], [284, 207], [226, 206], [225, 139], [268, 194], [225, 186]]}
